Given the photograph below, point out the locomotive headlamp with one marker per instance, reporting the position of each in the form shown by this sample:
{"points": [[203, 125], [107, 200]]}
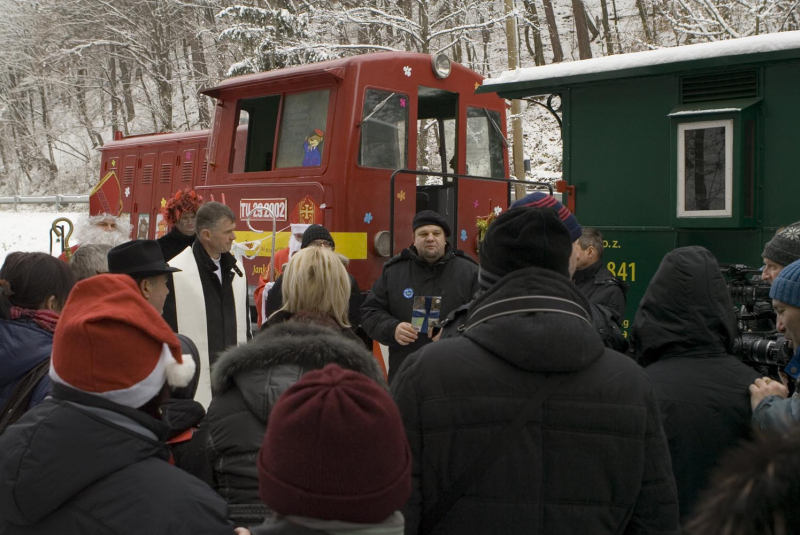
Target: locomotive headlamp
{"points": [[381, 243], [441, 66]]}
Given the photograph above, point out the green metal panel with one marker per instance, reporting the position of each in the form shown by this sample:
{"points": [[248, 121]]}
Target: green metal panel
{"points": [[781, 138], [619, 151]]}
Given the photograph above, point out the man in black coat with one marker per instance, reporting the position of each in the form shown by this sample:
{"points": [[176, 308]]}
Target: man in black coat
{"points": [[592, 457], [594, 279], [426, 275], [684, 332], [91, 458]]}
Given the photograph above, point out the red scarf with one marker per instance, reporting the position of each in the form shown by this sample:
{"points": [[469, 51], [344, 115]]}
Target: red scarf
{"points": [[46, 319]]}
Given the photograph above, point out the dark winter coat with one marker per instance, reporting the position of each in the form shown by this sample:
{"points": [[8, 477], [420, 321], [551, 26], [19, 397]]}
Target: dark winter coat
{"points": [[391, 300], [23, 346], [275, 301], [219, 300], [174, 242], [247, 382], [282, 527], [602, 319], [595, 462], [684, 329], [601, 287], [79, 464]]}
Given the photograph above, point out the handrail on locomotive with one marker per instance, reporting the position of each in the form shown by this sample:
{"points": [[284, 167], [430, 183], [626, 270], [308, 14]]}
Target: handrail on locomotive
{"points": [[455, 177]]}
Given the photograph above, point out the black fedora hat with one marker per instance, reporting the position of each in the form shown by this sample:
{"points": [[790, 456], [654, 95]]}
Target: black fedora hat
{"points": [[138, 257]]}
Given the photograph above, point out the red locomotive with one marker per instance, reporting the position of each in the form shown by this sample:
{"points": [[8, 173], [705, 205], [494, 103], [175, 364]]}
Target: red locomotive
{"points": [[320, 144]]}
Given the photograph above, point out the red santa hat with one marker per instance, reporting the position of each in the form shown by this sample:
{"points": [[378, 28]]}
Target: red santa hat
{"points": [[110, 342]]}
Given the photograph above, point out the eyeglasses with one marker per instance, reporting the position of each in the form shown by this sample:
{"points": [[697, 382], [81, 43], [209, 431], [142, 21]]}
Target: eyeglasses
{"points": [[322, 243]]}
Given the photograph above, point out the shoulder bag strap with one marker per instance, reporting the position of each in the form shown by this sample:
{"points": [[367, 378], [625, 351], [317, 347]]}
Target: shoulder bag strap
{"points": [[20, 397], [489, 455]]}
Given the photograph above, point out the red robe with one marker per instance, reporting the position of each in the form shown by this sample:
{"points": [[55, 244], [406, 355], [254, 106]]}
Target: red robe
{"points": [[281, 259]]}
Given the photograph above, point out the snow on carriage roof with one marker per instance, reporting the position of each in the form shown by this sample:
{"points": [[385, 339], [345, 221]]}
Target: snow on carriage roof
{"points": [[640, 63]]}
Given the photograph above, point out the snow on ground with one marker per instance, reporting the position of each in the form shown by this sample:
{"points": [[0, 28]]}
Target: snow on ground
{"points": [[29, 231]]}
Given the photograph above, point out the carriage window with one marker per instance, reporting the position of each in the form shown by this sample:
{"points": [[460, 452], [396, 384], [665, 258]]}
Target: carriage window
{"points": [[303, 129], [384, 130], [255, 134], [485, 143], [705, 169]]}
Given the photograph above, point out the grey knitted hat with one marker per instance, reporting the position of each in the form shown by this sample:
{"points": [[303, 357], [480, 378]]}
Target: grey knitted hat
{"points": [[784, 247]]}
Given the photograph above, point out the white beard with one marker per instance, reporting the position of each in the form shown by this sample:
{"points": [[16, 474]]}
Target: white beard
{"points": [[294, 246], [95, 235]]}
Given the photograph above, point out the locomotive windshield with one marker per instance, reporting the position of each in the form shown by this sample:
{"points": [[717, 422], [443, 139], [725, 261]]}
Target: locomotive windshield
{"points": [[384, 130], [485, 143]]}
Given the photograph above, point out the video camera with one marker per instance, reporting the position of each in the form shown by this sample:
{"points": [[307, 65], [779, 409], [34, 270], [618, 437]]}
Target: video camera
{"points": [[758, 343]]}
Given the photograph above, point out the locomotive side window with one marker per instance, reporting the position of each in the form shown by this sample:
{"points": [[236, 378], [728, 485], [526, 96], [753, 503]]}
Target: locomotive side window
{"points": [[384, 130], [485, 143], [705, 169], [255, 134], [303, 129]]}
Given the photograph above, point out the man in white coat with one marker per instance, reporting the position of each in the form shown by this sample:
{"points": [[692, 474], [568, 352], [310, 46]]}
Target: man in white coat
{"points": [[208, 297]]}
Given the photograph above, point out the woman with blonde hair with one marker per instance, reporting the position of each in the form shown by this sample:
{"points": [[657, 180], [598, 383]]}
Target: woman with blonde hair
{"points": [[315, 285], [307, 333]]}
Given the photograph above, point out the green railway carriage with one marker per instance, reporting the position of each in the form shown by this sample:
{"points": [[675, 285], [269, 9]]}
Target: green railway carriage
{"points": [[692, 145]]}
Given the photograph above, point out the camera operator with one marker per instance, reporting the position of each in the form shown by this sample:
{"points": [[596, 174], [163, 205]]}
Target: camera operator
{"points": [[771, 412], [780, 251]]}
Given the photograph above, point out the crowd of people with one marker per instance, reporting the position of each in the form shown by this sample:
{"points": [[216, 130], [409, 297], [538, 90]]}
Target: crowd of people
{"points": [[137, 397]]}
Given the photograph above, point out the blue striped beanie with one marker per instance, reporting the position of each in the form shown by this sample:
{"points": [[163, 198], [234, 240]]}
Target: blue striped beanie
{"points": [[538, 199]]}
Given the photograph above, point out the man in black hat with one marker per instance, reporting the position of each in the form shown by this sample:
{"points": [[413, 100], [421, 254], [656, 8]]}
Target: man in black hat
{"points": [[418, 287], [144, 262], [526, 422]]}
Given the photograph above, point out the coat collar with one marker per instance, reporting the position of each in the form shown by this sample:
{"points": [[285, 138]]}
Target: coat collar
{"points": [[537, 340]]}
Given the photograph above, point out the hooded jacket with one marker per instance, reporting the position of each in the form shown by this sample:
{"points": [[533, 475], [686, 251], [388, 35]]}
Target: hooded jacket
{"points": [[247, 381], [391, 301], [595, 461], [23, 346], [79, 464], [684, 332]]}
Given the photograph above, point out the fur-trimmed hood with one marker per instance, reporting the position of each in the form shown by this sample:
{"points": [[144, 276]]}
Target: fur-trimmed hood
{"points": [[305, 347]]}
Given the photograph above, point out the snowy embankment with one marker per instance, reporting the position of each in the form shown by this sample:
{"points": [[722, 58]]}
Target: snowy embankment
{"points": [[29, 231]]}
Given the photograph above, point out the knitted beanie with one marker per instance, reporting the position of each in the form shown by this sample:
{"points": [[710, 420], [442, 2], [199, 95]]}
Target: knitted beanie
{"points": [[784, 247], [429, 217], [786, 286], [110, 342], [335, 449], [538, 199], [521, 238], [316, 232]]}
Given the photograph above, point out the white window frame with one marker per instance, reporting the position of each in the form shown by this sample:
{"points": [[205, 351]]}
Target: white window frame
{"points": [[682, 128]]}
